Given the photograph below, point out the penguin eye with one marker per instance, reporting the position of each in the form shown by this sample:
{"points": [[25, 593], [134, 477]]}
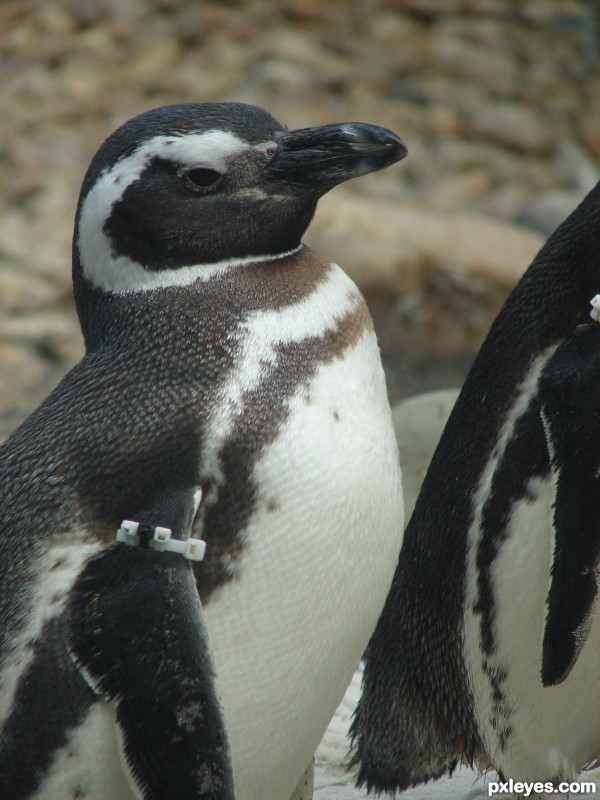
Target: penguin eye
{"points": [[203, 177]]}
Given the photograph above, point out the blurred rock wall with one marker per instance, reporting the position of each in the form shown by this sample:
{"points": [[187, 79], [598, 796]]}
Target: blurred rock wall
{"points": [[498, 101]]}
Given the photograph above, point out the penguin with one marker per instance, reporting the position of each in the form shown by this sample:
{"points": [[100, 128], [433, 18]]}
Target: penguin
{"points": [[200, 524], [488, 648]]}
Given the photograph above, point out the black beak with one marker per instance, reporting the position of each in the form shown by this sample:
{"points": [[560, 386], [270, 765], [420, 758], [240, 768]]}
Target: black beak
{"points": [[320, 158]]}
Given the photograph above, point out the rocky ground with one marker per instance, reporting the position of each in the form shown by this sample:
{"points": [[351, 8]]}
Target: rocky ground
{"points": [[498, 101]]}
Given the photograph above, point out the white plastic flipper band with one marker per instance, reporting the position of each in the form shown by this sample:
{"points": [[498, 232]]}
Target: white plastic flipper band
{"points": [[192, 549], [595, 312]]}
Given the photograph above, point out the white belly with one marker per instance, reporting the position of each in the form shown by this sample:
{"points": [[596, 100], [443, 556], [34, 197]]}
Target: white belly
{"points": [[556, 730], [320, 554], [90, 764]]}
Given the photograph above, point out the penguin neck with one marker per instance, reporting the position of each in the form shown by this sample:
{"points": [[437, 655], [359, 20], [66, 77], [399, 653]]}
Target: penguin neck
{"points": [[197, 312], [130, 321]]}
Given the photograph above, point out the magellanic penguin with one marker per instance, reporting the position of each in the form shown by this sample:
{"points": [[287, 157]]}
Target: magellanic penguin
{"points": [[231, 392], [488, 648]]}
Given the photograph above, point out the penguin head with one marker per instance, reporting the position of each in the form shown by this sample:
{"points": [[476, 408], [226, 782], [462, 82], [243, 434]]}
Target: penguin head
{"points": [[180, 191]]}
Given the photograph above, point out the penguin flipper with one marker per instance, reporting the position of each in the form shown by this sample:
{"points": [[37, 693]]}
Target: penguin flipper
{"points": [[139, 639], [571, 416]]}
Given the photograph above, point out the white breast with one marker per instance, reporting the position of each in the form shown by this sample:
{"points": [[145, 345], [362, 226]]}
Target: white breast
{"points": [[555, 730], [321, 551], [91, 764]]}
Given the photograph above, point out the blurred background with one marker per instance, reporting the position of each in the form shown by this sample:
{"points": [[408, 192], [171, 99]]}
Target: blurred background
{"points": [[497, 100]]}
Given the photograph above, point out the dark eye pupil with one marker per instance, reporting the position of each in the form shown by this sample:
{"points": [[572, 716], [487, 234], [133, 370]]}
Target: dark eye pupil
{"points": [[201, 176]]}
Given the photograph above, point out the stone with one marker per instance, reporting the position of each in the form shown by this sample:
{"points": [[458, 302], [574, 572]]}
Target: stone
{"points": [[434, 281], [455, 55], [453, 191], [513, 125], [386, 247], [575, 167], [23, 375], [150, 64], [24, 292], [590, 119], [52, 332], [591, 131], [291, 46], [419, 422], [546, 212]]}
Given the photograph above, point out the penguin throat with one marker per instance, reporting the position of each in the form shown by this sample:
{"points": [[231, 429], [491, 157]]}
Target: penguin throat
{"points": [[119, 274]]}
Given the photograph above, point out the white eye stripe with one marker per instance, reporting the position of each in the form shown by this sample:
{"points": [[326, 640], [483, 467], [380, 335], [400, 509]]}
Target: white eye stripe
{"points": [[211, 148], [98, 261]]}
